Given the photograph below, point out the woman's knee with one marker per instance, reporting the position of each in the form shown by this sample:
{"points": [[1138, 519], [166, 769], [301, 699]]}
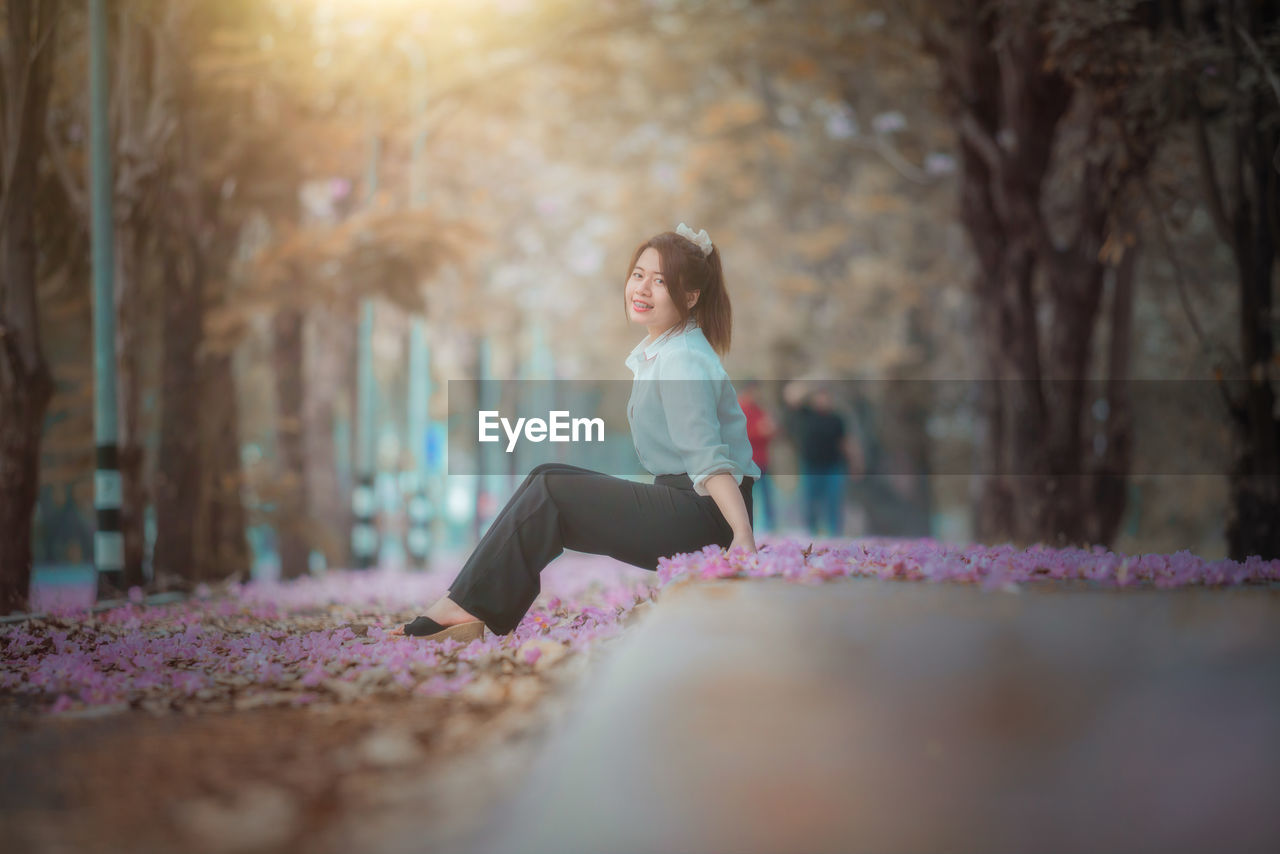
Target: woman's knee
{"points": [[542, 468], [539, 481], [556, 468]]}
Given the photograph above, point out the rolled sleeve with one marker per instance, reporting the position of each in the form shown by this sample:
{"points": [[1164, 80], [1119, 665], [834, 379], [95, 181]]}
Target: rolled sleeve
{"points": [[690, 391]]}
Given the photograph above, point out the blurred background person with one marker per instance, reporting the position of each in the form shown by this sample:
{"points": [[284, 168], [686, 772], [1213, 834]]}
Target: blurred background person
{"points": [[761, 428], [826, 454]]}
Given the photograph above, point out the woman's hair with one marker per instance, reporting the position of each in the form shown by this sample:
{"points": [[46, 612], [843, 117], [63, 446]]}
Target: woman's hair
{"points": [[686, 269]]}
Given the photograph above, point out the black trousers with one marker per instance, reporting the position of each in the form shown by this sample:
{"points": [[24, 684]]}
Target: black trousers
{"points": [[558, 507]]}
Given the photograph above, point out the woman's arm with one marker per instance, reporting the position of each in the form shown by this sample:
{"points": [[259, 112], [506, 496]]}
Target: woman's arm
{"points": [[724, 489]]}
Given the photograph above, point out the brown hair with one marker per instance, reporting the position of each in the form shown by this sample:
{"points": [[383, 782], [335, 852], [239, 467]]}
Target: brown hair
{"points": [[686, 269]]}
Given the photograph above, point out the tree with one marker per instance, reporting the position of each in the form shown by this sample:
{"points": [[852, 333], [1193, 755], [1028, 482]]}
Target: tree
{"points": [[1043, 251], [1231, 80], [142, 127], [1208, 71], [27, 46], [377, 253]]}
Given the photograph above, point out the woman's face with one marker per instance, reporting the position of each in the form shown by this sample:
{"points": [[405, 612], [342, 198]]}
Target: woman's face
{"points": [[647, 299]]}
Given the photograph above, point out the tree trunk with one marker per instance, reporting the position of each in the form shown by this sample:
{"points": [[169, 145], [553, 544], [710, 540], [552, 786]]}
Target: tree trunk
{"points": [[1108, 486], [128, 343], [24, 394], [141, 93], [291, 484], [1245, 206], [177, 485], [330, 355], [29, 37], [1253, 523], [1007, 108], [223, 549], [1076, 287]]}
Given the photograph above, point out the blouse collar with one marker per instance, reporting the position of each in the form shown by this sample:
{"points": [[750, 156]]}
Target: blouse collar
{"points": [[652, 348]]}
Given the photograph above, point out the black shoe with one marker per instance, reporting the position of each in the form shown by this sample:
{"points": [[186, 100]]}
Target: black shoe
{"points": [[425, 627]]}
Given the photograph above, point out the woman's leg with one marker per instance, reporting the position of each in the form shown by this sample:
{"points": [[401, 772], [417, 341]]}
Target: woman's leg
{"points": [[560, 506], [445, 610]]}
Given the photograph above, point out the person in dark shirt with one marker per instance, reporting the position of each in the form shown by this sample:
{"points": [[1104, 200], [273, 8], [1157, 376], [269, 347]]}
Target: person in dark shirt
{"points": [[827, 456]]}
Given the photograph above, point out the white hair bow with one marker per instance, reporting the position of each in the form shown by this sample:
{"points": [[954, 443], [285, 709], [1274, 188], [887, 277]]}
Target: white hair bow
{"points": [[701, 238]]}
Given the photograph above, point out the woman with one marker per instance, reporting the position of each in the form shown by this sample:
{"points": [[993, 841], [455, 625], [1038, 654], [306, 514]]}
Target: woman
{"points": [[689, 431]]}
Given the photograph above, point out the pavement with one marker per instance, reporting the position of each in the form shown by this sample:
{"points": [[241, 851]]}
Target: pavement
{"points": [[867, 715]]}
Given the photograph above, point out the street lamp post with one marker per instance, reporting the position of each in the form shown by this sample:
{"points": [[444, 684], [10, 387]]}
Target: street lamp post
{"points": [[418, 483], [108, 542], [364, 532]]}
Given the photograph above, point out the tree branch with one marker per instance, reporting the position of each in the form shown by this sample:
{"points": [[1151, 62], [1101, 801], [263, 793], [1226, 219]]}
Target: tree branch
{"points": [[1257, 54], [934, 43], [1208, 174], [1240, 134], [11, 353], [981, 140], [6, 72], [1088, 202], [57, 156], [45, 30], [1179, 280], [895, 159], [30, 60]]}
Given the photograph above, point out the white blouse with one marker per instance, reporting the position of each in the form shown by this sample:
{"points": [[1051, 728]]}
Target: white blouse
{"points": [[684, 412]]}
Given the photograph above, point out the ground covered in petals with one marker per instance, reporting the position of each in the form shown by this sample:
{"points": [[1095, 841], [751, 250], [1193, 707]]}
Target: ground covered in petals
{"points": [[326, 639], [274, 716], [992, 567], [312, 641], [282, 716]]}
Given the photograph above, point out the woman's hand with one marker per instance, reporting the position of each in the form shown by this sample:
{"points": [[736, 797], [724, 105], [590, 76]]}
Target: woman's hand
{"points": [[728, 497], [747, 541]]}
